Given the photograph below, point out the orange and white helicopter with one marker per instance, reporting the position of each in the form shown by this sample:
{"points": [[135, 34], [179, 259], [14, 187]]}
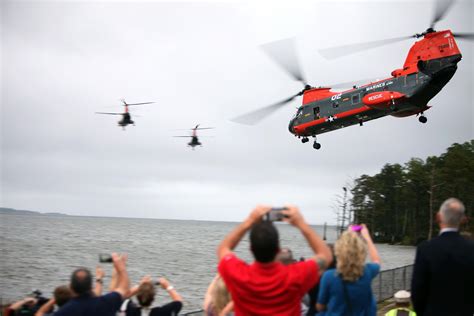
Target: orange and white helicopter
{"points": [[430, 64]]}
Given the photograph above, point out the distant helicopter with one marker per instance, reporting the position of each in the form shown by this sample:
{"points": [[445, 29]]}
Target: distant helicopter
{"points": [[194, 138], [126, 117], [430, 64]]}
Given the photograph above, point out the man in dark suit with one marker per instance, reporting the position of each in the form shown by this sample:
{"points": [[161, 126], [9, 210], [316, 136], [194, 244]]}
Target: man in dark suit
{"points": [[443, 276]]}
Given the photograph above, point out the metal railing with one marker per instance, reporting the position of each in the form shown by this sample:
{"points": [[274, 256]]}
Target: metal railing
{"points": [[387, 282]]}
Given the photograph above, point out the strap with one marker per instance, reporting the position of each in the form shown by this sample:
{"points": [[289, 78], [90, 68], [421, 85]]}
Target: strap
{"points": [[123, 308], [347, 298]]}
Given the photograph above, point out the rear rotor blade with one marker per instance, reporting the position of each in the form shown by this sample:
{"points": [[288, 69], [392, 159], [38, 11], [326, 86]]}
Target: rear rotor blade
{"points": [[464, 36], [183, 136], [256, 116], [283, 53], [441, 8], [110, 113], [200, 128], [344, 50], [140, 103]]}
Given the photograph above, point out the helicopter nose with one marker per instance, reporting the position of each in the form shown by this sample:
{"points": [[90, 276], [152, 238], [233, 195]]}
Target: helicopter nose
{"points": [[291, 126]]}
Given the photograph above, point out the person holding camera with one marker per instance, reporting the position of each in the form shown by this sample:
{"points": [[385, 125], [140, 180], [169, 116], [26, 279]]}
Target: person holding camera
{"points": [[145, 293], [267, 287], [346, 290], [85, 303]]}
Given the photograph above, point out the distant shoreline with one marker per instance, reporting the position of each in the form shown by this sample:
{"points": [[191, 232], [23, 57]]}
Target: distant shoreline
{"points": [[12, 211]]}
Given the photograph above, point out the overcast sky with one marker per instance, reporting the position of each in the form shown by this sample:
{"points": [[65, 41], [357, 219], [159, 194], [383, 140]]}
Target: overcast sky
{"points": [[201, 63]]}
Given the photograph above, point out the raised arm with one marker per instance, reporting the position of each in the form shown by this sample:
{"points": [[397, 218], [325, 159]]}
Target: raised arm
{"points": [[46, 308], [373, 253], [99, 280], [233, 239], [171, 290], [123, 283], [322, 253]]}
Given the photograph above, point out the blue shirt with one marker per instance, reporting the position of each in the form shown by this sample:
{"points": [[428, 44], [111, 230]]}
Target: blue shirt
{"points": [[105, 305], [331, 293]]}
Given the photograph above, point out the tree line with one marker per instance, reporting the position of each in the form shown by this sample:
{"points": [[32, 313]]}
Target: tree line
{"points": [[399, 203]]}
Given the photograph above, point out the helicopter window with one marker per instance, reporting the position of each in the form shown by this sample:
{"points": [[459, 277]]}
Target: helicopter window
{"points": [[335, 104], [316, 112], [355, 98]]}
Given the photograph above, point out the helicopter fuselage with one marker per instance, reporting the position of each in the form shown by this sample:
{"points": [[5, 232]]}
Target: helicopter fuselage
{"points": [[429, 66]]}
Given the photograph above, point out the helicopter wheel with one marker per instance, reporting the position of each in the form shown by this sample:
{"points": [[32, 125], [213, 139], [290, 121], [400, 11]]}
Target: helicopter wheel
{"points": [[316, 145], [305, 140], [422, 119]]}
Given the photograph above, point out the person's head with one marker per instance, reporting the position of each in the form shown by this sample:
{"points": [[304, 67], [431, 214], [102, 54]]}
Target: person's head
{"points": [[285, 256], [220, 295], [451, 213], [81, 282], [351, 252], [264, 241], [402, 298], [146, 294], [62, 294]]}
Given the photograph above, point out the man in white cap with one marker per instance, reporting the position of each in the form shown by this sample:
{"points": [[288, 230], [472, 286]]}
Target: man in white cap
{"points": [[402, 305]]}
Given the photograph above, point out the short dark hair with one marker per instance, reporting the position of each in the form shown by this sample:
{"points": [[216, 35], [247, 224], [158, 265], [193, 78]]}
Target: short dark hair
{"points": [[62, 294], [81, 281], [146, 294], [264, 241]]}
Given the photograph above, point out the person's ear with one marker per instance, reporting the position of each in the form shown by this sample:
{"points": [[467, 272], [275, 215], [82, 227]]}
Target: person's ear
{"points": [[438, 218]]}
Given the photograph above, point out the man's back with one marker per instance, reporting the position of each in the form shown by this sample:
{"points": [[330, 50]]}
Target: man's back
{"points": [[106, 305], [443, 279], [267, 288]]}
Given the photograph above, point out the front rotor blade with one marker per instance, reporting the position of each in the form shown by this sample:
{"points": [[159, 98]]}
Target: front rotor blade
{"points": [[140, 103], [283, 53], [256, 116], [110, 113], [182, 136], [200, 128], [464, 36], [441, 8], [344, 50]]}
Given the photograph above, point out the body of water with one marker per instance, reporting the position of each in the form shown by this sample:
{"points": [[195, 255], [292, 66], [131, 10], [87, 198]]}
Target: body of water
{"points": [[40, 252]]}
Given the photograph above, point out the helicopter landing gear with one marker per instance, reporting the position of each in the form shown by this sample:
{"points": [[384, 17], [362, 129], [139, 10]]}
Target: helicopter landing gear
{"points": [[305, 140], [422, 119], [316, 145]]}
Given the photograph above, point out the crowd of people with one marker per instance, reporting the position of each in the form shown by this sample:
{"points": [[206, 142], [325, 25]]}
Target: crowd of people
{"points": [[336, 280]]}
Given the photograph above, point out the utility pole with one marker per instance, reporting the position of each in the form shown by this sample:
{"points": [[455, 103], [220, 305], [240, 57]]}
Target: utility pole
{"points": [[344, 207], [431, 193]]}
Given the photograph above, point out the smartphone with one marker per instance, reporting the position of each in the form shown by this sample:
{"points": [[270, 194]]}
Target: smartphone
{"points": [[105, 258], [275, 214], [356, 228]]}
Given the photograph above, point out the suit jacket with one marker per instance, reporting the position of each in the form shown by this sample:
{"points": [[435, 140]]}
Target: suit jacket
{"points": [[443, 277]]}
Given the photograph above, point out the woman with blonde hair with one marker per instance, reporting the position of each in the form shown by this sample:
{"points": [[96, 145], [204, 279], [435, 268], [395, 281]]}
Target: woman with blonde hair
{"points": [[346, 290], [218, 301]]}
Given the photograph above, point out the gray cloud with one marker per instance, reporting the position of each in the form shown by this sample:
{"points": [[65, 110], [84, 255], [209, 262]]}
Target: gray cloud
{"points": [[201, 64]]}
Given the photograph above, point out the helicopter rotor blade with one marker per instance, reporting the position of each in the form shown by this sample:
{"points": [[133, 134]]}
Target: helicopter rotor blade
{"points": [[283, 53], [344, 50], [183, 136], [256, 116], [200, 128], [441, 8], [139, 103], [109, 113], [464, 36]]}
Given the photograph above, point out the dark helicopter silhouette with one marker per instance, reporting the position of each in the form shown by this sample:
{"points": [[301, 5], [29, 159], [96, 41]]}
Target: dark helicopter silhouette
{"points": [[126, 117], [194, 138]]}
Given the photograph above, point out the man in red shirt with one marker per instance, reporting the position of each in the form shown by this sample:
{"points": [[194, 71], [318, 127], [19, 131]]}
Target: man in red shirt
{"points": [[267, 287]]}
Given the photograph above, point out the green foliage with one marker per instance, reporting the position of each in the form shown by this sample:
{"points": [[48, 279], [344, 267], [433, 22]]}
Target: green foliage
{"points": [[398, 202]]}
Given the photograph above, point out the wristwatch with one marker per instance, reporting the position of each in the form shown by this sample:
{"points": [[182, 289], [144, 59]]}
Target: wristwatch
{"points": [[170, 287]]}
